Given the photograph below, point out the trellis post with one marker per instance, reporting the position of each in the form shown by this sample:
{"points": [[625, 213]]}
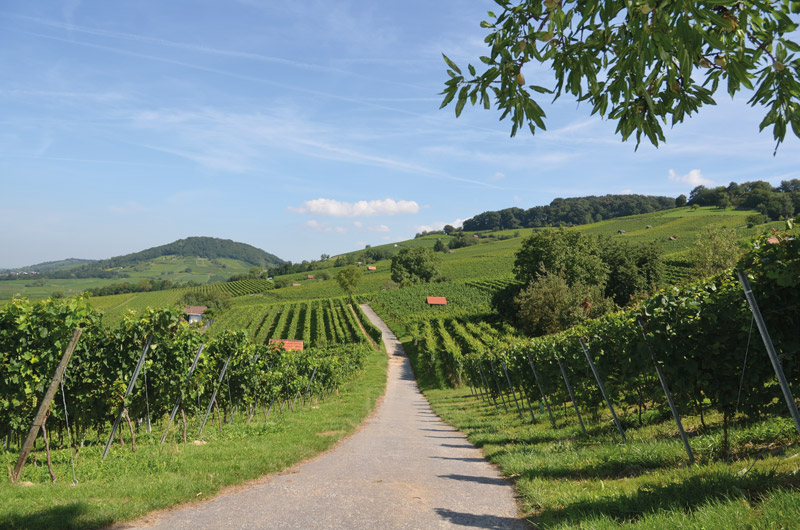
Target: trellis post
{"points": [[571, 394], [44, 406], [178, 401], [602, 389], [541, 391], [669, 396], [773, 355], [214, 394], [131, 386]]}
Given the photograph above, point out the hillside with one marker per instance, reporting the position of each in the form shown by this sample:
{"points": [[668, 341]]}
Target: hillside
{"points": [[481, 266], [194, 259]]}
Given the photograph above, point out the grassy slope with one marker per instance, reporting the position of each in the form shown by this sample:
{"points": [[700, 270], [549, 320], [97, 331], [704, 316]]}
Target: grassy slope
{"points": [[565, 479], [129, 485]]}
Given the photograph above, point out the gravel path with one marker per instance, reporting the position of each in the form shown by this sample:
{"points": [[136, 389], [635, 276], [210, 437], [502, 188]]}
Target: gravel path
{"points": [[405, 469]]}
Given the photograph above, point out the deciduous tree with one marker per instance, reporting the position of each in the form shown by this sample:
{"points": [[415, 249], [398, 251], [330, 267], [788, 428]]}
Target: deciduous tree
{"points": [[641, 63]]}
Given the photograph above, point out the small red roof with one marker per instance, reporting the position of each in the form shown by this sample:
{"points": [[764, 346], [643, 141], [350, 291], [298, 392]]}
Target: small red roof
{"points": [[310, 277], [288, 344], [773, 240], [372, 268], [194, 309], [437, 300]]}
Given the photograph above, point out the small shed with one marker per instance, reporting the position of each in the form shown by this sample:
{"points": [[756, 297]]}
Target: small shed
{"points": [[436, 300], [295, 285], [309, 277], [475, 236], [620, 232], [288, 344], [673, 238], [372, 268], [194, 313]]}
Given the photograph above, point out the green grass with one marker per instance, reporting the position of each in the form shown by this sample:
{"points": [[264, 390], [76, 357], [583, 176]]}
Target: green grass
{"points": [[127, 485], [565, 479]]}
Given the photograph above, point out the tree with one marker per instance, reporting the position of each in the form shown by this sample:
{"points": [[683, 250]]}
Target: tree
{"points": [[348, 279], [550, 304], [561, 251], [715, 250], [641, 63], [448, 229], [415, 265], [680, 201], [439, 246]]}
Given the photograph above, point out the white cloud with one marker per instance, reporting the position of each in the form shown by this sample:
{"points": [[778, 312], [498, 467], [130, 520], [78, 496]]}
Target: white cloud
{"points": [[378, 228], [438, 225], [627, 192], [693, 178], [357, 224], [497, 176], [336, 208]]}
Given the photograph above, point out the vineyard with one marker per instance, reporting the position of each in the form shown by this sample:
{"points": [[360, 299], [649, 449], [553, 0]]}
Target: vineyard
{"points": [[148, 367], [701, 337], [316, 322]]}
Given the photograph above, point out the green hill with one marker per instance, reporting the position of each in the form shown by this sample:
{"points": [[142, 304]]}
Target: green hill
{"points": [[194, 259], [487, 263]]}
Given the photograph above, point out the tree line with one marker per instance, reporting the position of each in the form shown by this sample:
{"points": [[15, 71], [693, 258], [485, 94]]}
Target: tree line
{"points": [[571, 212], [772, 202]]}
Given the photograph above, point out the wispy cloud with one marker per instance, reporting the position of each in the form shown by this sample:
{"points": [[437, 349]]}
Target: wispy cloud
{"points": [[325, 227], [692, 178], [378, 228], [334, 208]]}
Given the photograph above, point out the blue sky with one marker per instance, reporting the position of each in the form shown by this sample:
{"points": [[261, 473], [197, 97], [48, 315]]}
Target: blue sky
{"points": [[302, 128]]}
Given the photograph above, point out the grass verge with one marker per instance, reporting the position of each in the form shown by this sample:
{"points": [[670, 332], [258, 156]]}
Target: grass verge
{"points": [[128, 485], [565, 479]]}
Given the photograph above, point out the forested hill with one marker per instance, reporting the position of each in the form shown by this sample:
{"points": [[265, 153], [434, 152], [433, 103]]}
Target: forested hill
{"points": [[204, 247], [572, 211], [191, 247]]}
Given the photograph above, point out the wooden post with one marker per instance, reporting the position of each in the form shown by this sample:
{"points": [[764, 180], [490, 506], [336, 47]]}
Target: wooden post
{"points": [[571, 394], [131, 386], [773, 355], [44, 406], [602, 389], [667, 393]]}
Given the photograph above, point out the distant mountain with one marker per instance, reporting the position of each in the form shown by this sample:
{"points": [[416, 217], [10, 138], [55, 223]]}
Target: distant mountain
{"points": [[202, 247], [191, 247]]}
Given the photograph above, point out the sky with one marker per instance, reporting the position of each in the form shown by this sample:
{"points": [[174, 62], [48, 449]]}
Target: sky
{"points": [[302, 128]]}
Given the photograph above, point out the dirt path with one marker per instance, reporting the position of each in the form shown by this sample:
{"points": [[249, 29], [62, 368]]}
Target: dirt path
{"points": [[405, 469]]}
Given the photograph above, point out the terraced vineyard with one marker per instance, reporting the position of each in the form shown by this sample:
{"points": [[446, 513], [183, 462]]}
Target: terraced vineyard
{"points": [[315, 322]]}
